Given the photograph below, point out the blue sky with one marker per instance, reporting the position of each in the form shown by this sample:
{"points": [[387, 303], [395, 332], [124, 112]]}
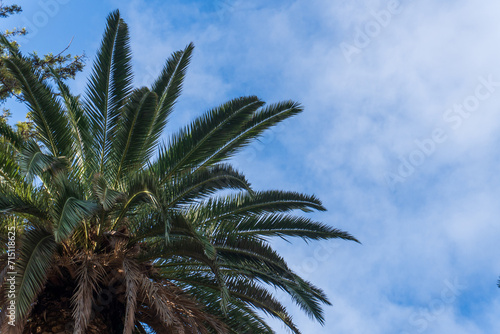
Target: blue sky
{"points": [[399, 137]]}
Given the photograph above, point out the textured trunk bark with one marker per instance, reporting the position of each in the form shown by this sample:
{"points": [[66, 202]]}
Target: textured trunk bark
{"points": [[52, 314]]}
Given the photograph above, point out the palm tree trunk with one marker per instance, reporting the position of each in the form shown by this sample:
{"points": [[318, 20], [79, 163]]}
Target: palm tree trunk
{"points": [[52, 314]]}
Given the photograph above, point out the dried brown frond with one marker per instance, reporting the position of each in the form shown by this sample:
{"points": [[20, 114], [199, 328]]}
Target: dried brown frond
{"points": [[152, 294], [132, 275], [148, 316], [89, 274], [184, 315]]}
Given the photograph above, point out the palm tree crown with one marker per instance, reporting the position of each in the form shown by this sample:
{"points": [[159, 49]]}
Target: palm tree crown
{"points": [[102, 208]]}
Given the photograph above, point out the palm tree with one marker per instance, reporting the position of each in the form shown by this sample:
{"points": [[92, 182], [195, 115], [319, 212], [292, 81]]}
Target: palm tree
{"points": [[119, 233]]}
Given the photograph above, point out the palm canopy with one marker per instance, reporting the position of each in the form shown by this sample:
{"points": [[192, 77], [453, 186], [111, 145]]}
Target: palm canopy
{"points": [[96, 198]]}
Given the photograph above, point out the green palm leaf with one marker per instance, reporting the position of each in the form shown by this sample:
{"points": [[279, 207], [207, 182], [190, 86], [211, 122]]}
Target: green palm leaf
{"points": [[261, 121], [239, 317], [10, 173], [23, 201], [167, 87], [132, 132], [48, 116], [109, 86], [205, 136], [33, 162], [8, 134], [69, 211], [241, 205], [79, 126], [34, 262], [107, 197], [190, 186], [281, 225]]}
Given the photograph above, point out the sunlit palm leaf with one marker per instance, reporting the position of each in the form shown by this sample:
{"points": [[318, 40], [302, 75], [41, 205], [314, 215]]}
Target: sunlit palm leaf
{"points": [[205, 136], [167, 87], [262, 120], [109, 86]]}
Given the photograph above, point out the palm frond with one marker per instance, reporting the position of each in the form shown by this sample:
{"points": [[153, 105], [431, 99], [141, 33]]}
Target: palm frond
{"points": [[88, 275], [9, 46], [69, 211], [12, 137], [283, 226], [10, 172], [35, 259], [205, 136], [80, 128], [167, 87], [109, 86], [142, 189], [157, 299], [48, 116], [22, 201], [132, 132], [132, 276], [261, 121], [308, 297], [33, 162], [179, 225], [237, 206], [253, 295], [107, 197], [239, 317], [202, 183]]}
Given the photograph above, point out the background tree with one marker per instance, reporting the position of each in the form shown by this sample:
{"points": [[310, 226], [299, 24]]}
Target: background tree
{"points": [[65, 65]]}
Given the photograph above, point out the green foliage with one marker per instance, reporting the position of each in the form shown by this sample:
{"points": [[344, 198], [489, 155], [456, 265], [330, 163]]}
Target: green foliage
{"points": [[88, 186], [6, 11], [34, 263], [65, 65]]}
